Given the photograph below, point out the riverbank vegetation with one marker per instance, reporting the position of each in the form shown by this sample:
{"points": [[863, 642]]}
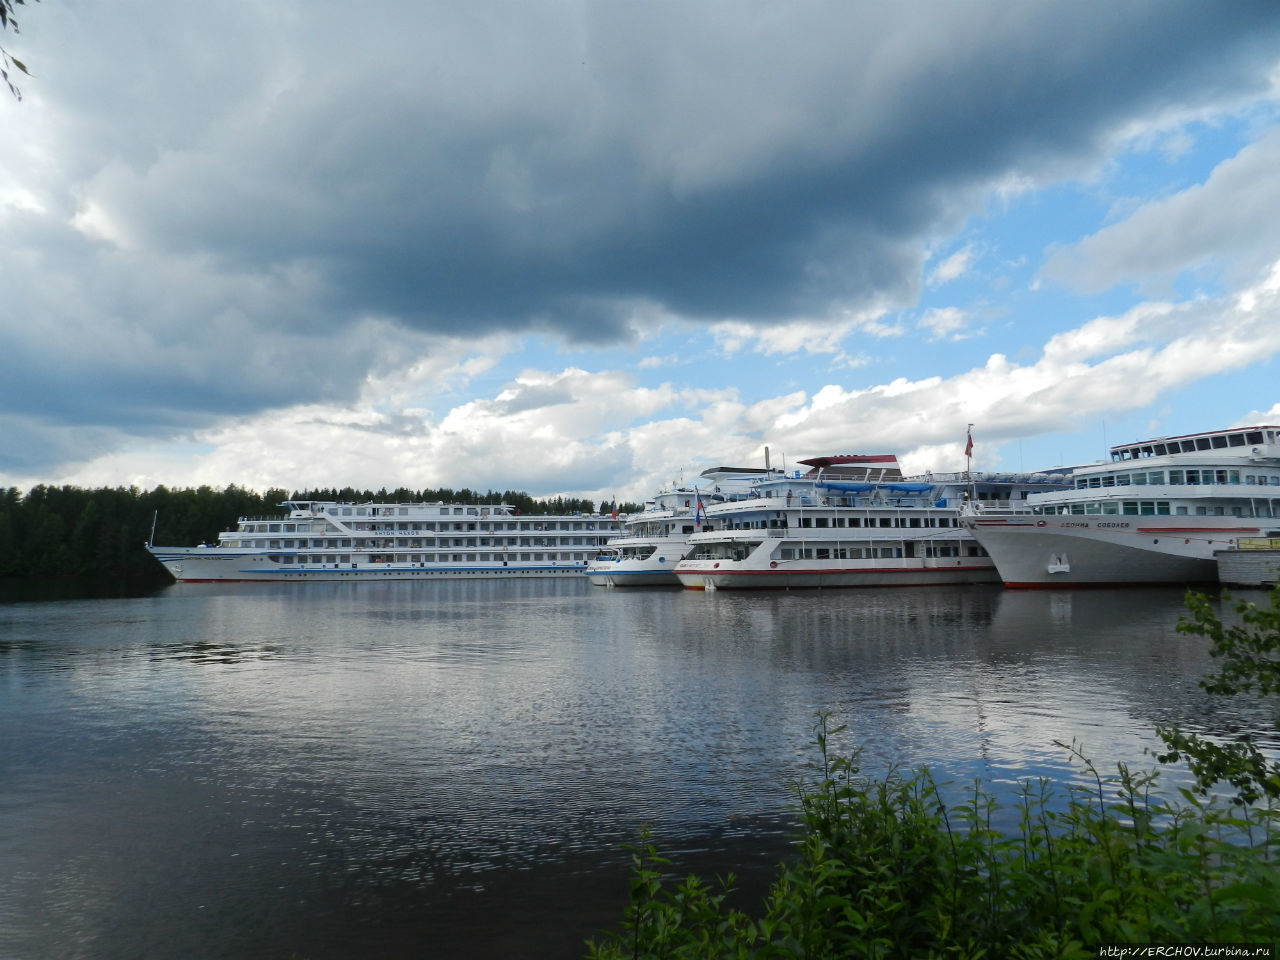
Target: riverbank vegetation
{"points": [[99, 534], [900, 866]]}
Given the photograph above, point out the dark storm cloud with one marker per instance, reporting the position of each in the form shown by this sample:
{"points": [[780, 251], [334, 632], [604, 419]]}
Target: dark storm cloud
{"points": [[724, 160], [247, 200]]}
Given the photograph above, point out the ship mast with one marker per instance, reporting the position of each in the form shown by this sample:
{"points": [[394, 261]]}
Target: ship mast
{"points": [[968, 461]]}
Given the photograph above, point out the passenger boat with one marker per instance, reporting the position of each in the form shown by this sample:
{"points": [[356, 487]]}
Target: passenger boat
{"points": [[850, 521], [655, 539], [1154, 513], [322, 540]]}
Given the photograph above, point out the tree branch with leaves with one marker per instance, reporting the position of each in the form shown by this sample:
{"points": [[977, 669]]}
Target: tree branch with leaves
{"points": [[8, 62], [1249, 653]]}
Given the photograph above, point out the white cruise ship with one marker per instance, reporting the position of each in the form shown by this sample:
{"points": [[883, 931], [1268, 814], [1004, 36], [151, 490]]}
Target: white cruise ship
{"points": [[1155, 513], [851, 521], [654, 540], [393, 541]]}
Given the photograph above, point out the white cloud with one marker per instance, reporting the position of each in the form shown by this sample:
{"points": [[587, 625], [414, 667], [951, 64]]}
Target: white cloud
{"points": [[1256, 417], [797, 336], [823, 336], [945, 323], [952, 267], [598, 434], [1230, 223], [653, 363]]}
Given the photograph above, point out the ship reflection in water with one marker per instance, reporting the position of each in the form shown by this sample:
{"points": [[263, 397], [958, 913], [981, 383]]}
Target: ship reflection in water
{"points": [[448, 769]]}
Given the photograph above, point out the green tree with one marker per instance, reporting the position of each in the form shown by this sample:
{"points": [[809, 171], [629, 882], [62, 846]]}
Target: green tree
{"points": [[7, 60], [1249, 652]]}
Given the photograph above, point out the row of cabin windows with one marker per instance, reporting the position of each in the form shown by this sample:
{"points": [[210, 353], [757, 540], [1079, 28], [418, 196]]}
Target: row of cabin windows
{"points": [[525, 525], [247, 527], [403, 511], [827, 522], [573, 526], [839, 551], [1220, 441], [1176, 478], [1153, 508], [341, 543], [325, 559]]}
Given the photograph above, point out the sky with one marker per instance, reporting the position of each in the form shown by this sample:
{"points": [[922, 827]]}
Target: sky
{"points": [[589, 248]]}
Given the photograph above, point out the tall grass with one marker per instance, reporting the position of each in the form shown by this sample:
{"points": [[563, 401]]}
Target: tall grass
{"points": [[889, 867]]}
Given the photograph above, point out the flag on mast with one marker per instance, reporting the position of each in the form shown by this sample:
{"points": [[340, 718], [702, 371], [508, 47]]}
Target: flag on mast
{"points": [[968, 443]]}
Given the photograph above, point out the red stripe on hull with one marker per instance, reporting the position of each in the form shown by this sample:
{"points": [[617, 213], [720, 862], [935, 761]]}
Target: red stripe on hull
{"points": [[1223, 531], [1107, 585]]}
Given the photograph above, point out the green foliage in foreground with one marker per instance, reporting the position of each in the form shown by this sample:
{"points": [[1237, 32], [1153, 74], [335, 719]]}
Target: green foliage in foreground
{"points": [[890, 867], [1249, 653]]}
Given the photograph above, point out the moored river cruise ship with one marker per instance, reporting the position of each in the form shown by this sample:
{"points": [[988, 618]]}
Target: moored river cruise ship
{"points": [[655, 539], [851, 521], [1155, 513], [393, 541]]}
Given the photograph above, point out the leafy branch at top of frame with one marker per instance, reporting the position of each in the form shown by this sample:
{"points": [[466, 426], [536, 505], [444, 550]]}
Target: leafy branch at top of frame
{"points": [[7, 60]]}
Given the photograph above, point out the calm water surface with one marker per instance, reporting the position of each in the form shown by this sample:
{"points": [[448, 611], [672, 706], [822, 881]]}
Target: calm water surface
{"points": [[448, 769]]}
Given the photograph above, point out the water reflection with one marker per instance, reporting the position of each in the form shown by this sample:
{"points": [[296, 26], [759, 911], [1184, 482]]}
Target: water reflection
{"points": [[205, 652], [216, 769]]}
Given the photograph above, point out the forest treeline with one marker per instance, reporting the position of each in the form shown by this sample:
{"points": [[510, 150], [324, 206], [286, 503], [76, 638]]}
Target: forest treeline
{"points": [[100, 533]]}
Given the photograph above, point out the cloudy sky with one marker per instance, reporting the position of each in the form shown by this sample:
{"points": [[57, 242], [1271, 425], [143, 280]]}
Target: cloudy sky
{"points": [[583, 248]]}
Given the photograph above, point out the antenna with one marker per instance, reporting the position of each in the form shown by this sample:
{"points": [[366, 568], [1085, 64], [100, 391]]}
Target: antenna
{"points": [[154, 517]]}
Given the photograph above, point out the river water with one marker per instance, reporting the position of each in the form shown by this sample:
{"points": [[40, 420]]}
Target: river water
{"points": [[450, 769]]}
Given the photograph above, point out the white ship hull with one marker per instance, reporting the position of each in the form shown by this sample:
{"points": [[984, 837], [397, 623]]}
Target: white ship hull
{"points": [[1054, 551], [624, 569], [633, 574], [209, 564], [811, 574]]}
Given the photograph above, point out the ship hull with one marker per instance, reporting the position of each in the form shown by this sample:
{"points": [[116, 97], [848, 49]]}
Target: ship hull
{"points": [[632, 578], [731, 575], [1055, 551], [211, 564]]}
